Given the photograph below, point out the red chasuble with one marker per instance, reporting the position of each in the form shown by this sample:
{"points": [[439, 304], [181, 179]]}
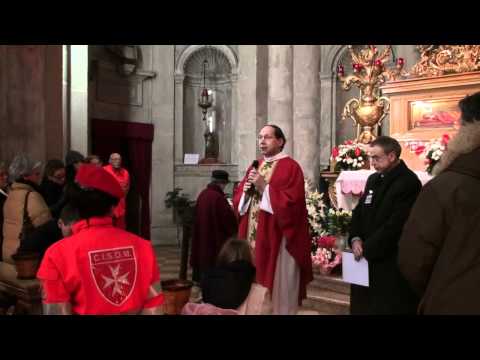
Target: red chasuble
{"points": [[289, 220]]}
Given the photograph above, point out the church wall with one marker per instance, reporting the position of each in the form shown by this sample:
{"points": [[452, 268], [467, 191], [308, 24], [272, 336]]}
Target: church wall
{"points": [[30, 101], [146, 97]]}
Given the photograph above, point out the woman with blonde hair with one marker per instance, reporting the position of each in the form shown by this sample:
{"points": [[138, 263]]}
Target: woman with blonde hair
{"points": [[24, 198]]}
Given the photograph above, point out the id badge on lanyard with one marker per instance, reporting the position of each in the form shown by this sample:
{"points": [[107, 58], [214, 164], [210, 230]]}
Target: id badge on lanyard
{"points": [[368, 199]]}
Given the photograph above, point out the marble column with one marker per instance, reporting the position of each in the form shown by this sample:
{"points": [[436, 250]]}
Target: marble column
{"points": [[306, 101], [327, 116], [179, 118], [280, 91], [247, 107], [79, 124], [234, 121], [163, 148]]}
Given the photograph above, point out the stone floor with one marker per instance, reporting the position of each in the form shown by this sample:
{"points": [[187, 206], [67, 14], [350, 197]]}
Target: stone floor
{"points": [[326, 295]]}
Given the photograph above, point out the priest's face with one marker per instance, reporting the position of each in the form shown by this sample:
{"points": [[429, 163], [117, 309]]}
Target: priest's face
{"points": [[269, 145], [382, 162]]}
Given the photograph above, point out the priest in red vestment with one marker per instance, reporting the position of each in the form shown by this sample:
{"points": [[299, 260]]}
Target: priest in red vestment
{"points": [[270, 202], [123, 178], [215, 222]]}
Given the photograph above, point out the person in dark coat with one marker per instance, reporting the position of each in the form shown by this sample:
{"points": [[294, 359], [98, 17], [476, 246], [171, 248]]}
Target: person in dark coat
{"points": [[52, 186], [375, 230], [73, 160], [215, 222], [42, 237], [439, 248], [227, 285]]}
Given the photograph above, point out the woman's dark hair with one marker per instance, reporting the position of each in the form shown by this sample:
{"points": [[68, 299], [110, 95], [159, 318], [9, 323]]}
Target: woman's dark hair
{"points": [[470, 107], [69, 214], [52, 166], [90, 202], [278, 134], [89, 158], [234, 250]]}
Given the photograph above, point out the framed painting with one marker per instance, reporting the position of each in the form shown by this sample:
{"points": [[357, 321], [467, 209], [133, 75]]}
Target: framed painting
{"points": [[434, 114]]}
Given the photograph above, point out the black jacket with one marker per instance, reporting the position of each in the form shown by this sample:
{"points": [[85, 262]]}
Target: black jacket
{"points": [[228, 286], [379, 224], [53, 195]]}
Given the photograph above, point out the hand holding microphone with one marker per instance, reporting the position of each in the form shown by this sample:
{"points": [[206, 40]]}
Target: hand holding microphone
{"points": [[249, 187]]}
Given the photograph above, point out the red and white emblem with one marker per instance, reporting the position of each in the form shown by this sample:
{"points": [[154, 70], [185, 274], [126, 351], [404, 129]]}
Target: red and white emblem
{"points": [[114, 272]]}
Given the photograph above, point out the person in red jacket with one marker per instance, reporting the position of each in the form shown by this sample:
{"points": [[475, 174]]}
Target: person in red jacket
{"points": [[100, 269], [214, 223], [123, 178]]}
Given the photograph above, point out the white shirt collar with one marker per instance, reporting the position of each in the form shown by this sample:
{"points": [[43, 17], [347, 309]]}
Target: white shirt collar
{"points": [[280, 155]]}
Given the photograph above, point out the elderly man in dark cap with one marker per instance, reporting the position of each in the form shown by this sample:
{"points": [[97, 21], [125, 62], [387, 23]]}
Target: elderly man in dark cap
{"points": [[215, 222]]}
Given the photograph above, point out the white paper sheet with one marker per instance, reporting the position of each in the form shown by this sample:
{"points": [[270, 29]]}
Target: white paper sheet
{"points": [[354, 272], [191, 159]]}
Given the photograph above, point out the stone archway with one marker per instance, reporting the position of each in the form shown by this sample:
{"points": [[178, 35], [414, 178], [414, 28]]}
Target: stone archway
{"points": [[226, 50], [179, 96], [328, 104]]}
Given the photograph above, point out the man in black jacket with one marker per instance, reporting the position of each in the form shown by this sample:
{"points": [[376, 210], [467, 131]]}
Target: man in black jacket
{"points": [[375, 231]]}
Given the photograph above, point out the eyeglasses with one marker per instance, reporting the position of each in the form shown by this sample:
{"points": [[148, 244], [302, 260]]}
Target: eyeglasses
{"points": [[266, 137]]}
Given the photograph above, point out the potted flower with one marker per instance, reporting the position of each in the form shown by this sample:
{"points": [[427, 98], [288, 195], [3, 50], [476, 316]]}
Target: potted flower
{"points": [[181, 204], [328, 245], [327, 256], [338, 222], [328, 230]]}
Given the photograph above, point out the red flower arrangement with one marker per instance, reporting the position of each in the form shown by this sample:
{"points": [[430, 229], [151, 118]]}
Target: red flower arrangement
{"points": [[327, 256]]}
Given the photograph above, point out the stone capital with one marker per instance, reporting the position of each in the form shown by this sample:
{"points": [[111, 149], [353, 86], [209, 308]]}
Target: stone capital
{"points": [[179, 78]]}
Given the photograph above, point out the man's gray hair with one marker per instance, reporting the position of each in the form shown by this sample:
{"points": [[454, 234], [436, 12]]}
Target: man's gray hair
{"points": [[22, 165]]}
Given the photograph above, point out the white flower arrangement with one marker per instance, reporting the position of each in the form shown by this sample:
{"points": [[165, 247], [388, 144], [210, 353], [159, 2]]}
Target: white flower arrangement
{"points": [[315, 209], [433, 151], [349, 156]]}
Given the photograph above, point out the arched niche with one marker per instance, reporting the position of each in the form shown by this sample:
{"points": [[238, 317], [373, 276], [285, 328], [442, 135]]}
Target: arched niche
{"points": [[222, 78]]}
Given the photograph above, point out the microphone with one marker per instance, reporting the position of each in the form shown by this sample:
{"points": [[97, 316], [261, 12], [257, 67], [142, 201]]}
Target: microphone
{"points": [[255, 165]]}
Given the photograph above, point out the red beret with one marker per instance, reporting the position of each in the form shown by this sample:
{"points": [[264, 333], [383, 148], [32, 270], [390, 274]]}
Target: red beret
{"points": [[94, 177]]}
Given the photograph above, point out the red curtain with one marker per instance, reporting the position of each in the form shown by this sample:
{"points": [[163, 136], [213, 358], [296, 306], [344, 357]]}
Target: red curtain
{"points": [[134, 142]]}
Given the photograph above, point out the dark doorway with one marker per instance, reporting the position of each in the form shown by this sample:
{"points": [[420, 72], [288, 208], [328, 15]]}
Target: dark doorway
{"points": [[134, 142]]}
